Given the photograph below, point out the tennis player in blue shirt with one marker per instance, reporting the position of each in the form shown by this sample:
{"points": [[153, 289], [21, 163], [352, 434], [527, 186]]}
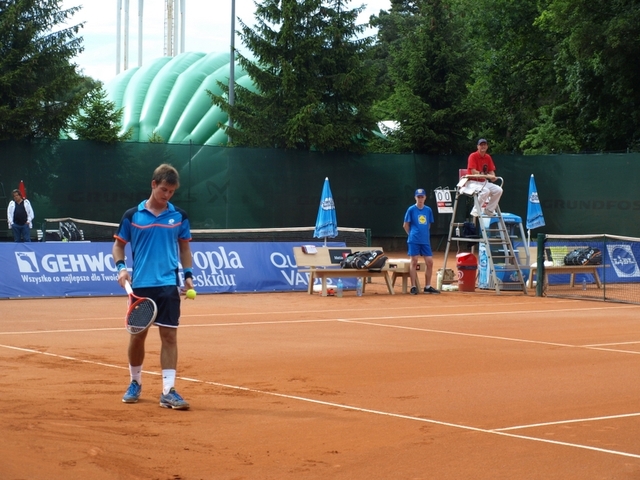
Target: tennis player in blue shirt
{"points": [[417, 223], [159, 234]]}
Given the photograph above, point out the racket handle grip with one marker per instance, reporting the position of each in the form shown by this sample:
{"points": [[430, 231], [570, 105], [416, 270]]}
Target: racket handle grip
{"points": [[127, 287]]}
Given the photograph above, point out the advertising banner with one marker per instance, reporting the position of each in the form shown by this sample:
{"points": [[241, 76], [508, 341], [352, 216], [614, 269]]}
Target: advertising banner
{"points": [[619, 263], [81, 269]]}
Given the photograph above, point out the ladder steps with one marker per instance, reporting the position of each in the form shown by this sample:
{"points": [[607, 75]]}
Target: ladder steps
{"points": [[503, 265]]}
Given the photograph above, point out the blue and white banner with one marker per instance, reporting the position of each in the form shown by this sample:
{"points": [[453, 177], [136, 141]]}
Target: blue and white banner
{"points": [[77, 269]]}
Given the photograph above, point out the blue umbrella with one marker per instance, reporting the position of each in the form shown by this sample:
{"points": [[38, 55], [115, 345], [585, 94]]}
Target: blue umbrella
{"points": [[326, 223], [535, 218]]}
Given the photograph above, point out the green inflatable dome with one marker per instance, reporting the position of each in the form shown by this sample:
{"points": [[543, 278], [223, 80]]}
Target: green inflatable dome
{"points": [[168, 97]]}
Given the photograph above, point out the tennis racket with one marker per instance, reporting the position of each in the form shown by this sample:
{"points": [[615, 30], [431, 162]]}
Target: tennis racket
{"points": [[141, 312]]}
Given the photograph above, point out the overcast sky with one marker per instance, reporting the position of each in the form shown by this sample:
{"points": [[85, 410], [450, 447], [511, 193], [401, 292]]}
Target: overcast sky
{"points": [[208, 29]]}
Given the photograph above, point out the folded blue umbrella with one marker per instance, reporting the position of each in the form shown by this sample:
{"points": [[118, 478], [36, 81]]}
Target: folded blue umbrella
{"points": [[535, 218], [326, 223]]}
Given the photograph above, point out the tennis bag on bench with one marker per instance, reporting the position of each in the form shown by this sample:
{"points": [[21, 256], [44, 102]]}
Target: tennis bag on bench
{"points": [[365, 260], [584, 256]]}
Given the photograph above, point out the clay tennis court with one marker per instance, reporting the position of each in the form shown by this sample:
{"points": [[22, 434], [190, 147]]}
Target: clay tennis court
{"points": [[290, 386]]}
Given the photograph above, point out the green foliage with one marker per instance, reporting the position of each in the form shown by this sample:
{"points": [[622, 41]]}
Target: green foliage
{"points": [[99, 121], [596, 64], [155, 137], [549, 136], [546, 75], [314, 86], [82, 89], [37, 78], [557, 75], [513, 72], [429, 64]]}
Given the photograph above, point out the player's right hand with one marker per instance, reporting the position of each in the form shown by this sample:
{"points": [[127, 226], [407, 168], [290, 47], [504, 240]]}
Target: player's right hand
{"points": [[123, 277]]}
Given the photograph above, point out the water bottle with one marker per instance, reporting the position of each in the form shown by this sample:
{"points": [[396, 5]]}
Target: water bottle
{"points": [[458, 231], [339, 287], [359, 287], [584, 284]]}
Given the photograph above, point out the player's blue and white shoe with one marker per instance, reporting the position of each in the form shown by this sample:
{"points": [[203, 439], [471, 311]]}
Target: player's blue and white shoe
{"points": [[173, 400], [133, 392]]}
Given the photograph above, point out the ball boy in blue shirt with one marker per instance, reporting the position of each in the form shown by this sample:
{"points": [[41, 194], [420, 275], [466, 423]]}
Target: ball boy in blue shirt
{"points": [[417, 223]]}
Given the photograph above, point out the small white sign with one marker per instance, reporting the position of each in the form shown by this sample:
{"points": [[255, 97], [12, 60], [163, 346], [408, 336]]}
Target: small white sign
{"points": [[443, 200], [309, 249]]}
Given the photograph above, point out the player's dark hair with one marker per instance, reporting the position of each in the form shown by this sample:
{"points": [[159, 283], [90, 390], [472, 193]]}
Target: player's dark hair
{"points": [[167, 173]]}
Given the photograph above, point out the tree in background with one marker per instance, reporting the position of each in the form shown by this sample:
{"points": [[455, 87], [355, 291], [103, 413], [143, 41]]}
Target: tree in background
{"points": [[36, 73], [597, 69], [513, 70], [547, 76], [429, 65], [99, 120], [314, 86]]}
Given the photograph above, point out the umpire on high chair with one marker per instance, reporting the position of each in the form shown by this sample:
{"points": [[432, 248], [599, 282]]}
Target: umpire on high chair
{"points": [[480, 162]]}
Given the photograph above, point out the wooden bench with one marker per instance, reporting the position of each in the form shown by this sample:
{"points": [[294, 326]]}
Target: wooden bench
{"points": [[325, 263], [567, 269], [558, 267]]}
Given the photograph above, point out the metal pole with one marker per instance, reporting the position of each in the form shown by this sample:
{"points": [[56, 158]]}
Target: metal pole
{"points": [[189, 189], [126, 34], [176, 24], [140, 12], [540, 270], [118, 35], [183, 15], [232, 61], [168, 28]]}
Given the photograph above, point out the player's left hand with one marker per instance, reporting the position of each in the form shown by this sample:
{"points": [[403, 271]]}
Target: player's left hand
{"points": [[188, 285]]}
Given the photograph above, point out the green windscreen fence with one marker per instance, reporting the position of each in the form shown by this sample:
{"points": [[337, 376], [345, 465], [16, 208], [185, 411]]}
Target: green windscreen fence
{"points": [[260, 188]]}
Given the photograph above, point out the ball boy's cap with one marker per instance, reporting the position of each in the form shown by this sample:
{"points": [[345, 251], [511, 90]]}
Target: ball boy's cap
{"points": [[420, 193], [482, 140]]}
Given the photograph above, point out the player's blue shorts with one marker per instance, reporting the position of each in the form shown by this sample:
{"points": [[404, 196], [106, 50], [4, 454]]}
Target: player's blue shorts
{"points": [[168, 301], [420, 249]]}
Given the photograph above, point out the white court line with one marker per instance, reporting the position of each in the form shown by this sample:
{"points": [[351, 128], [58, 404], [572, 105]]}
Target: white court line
{"points": [[376, 308], [275, 322], [120, 329], [66, 357], [258, 314], [498, 432], [615, 343], [564, 422], [491, 337], [615, 350], [421, 315], [362, 321], [400, 317], [418, 419], [71, 330], [447, 332]]}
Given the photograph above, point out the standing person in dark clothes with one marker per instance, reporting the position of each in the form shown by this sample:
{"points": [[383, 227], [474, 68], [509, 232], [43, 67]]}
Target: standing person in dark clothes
{"points": [[20, 217]]}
